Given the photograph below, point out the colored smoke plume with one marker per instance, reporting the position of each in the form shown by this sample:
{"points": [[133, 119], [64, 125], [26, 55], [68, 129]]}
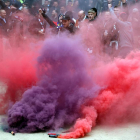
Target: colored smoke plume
{"points": [[66, 93], [118, 102], [17, 71], [64, 85]]}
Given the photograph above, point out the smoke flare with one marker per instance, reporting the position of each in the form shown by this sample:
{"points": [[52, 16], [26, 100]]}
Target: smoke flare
{"points": [[64, 84]]}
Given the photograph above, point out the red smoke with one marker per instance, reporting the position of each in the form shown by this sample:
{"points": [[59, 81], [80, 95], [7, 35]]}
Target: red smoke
{"points": [[18, 72], [118, 102], [83, 125]]}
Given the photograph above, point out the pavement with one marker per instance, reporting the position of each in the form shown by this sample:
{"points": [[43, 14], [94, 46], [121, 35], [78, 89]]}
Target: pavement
{"points": [[123, 132]]}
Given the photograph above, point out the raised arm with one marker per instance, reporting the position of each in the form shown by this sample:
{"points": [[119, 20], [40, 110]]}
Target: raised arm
{"points": [[114, 17], [47, 18]]}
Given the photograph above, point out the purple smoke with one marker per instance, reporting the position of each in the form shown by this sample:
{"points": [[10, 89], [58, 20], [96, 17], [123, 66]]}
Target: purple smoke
{"points": [[64, 85]]}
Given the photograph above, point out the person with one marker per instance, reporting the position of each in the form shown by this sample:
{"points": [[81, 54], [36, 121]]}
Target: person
{"points": [[54, 15], [70, 5], [125, 33], [7, 3], [4, 33], [81, 18], [55, 6], [66, 22], [114, 2], [104, 5], [135, 20], [62, 10], [16, 29], [70, 14], [46, 6], [59, 23], [37, 26], [117, 11], [76, 8], [2, 5], [109, 35], [92, 14], [4, 25], [15, 2], [62, 2]]}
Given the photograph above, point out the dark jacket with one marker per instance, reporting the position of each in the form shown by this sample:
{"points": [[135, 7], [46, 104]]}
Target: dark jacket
{"points": [[4, 27]]}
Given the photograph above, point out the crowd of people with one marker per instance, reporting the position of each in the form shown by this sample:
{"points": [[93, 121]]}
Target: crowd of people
{"points": [[116, 22]]}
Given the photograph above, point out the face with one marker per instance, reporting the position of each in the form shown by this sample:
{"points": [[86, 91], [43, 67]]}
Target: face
{"points": [[117, 11], [62, 9], [66, 23], [3, 13], [81, 16], [46, 2], [107, 16], [76, 3], [53, 13], [55, 4], [7, 3], [91, 16]]}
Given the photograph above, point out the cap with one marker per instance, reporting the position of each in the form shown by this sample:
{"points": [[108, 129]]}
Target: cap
{"points": [[124, 15], [91, 11], [94, 9], [66, 17]]}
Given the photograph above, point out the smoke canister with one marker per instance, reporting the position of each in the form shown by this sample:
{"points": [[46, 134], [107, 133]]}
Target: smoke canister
{"points": [[54, 136], [12, 132]]}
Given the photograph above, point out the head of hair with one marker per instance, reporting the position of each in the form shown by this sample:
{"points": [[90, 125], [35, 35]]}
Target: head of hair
{"points": [[124, 4], [69, 13], [95, 10], [116, 6], [124, 16], [59, 16], [82, 11]]}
